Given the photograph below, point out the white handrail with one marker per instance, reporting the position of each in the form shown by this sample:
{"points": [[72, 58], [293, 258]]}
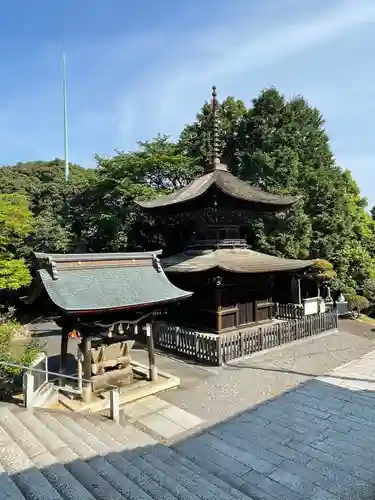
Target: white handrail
{"points": [[114, 390]]}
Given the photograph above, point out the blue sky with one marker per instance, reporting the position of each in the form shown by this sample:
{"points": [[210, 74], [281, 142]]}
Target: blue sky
{"points": [[136, 68]]}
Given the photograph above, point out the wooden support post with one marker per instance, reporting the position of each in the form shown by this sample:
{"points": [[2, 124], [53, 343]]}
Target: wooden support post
{"points": [[63, 353], [153, 375], [87, 386], [219, 309], [80, 369]]}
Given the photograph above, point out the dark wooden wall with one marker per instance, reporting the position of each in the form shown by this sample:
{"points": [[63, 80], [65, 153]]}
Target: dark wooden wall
{"points": [[240, 300]]}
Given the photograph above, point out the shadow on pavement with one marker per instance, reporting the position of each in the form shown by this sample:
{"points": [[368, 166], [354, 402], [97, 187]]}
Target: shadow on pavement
{"points": [[315, 441]]}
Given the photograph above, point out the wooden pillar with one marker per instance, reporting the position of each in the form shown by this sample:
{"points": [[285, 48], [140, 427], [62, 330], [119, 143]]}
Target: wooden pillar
{"points": [[219, 308], [63, 352], [153, 374], [299, 290], [296, 289], [87, 386], [80, 368]]}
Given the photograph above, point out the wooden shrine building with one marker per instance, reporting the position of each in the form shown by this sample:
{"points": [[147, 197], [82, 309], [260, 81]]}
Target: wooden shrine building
{"points": [[233, 285], [106, 299]]}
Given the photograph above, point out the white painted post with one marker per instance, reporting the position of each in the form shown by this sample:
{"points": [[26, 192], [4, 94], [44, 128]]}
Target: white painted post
{"points": [[114, 401], [46, 365], [28, 389]]}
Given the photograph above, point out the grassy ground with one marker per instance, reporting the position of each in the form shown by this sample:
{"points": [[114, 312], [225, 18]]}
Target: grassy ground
{"points": [[367, 319]]}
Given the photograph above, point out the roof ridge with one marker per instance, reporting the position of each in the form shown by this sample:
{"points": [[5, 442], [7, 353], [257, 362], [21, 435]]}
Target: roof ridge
{"points": [[89, 257]]}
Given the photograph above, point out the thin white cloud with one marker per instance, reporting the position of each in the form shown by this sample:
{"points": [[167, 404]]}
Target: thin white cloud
{"points": [[127, 88], [224, 54]]}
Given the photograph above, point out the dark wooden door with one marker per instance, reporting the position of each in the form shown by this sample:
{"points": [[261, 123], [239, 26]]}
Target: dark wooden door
{"points": [[245, 309]]}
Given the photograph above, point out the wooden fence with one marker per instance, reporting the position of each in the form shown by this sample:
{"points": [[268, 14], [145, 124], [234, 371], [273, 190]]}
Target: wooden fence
{"points": [[218, 349], [288, 311], [201, 346]]}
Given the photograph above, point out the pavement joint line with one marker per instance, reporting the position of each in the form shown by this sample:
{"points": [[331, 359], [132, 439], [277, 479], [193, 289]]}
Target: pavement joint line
{"points": [[178, 423], [159, 412], [340, 367]]}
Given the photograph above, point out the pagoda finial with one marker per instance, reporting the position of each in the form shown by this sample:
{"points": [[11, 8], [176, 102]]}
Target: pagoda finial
{"points": [[215, 160]]}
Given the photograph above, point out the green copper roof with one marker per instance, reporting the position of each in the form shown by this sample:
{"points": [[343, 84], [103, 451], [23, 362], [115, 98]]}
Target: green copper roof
{"points": [[99, 282]]}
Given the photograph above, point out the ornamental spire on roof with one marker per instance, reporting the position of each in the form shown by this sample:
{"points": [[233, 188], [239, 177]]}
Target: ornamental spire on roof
{"points": [[215, 145], [214, 164]]}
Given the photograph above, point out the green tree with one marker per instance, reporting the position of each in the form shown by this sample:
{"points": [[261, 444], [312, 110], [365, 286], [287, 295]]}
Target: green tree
{"points": [[195, 139], [55, 204], [15, 225], [282, 146], [114, 221]]}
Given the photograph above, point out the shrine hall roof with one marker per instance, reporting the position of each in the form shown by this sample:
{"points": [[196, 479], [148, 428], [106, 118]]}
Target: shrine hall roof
{"points": [[79, 283], [225, 182], [237, 260]]}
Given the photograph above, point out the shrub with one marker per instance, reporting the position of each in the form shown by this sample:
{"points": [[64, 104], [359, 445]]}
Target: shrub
{"points": [[368, 289], [323, 270], [338, 286], [19, 352], [357, 302]]}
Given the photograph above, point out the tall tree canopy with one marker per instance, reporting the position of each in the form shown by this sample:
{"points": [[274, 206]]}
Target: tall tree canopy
{"points": [[158, 166], [54, 203], [277, 144], [282, 146]]}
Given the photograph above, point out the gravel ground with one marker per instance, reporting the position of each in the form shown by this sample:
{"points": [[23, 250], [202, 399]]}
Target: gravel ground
{"points": [[243, 384]]}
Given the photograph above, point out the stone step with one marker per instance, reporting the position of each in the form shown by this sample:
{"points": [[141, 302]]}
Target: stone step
{"points": [[186, 450], [8, 490], [21, 470], [127, 435], [64, 456], [192, 480], [224, 470], [174, 488], [26, 430], [81, 460], [153, 488], [169, 456], [140, 482]]}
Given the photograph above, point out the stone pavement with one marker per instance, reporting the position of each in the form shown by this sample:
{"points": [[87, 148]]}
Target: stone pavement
{"points": [[316, 441], [158, 418], [244, 383], [294, 423]]}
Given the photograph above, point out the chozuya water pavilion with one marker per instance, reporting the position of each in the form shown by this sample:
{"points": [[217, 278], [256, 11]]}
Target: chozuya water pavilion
{"points": [[104, 299], [232, 284]]}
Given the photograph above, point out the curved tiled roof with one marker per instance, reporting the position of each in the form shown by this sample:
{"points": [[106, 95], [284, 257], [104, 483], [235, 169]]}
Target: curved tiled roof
{"points": [[100, 282], [228, 184], [237, 260]]}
